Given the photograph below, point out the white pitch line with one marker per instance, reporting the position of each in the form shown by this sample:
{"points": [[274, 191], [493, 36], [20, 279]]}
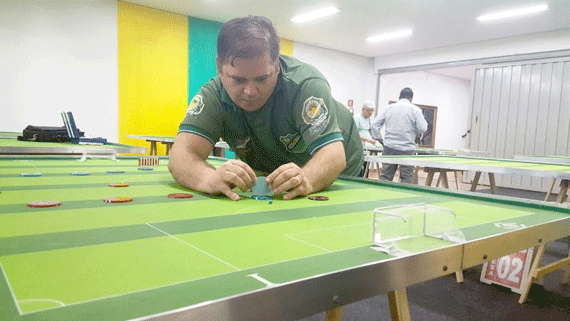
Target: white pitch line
{"points": [[262, 280], [44, 300], [194, 247], [10, 288], [307, 243]]}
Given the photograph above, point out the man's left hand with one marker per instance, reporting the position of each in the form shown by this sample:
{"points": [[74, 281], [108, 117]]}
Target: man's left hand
{"points": [[289, 177]]}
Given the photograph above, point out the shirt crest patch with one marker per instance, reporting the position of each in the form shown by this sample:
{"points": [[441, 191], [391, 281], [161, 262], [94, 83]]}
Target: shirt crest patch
{"points": [[315, 113], [196, 105], [293, 143]]}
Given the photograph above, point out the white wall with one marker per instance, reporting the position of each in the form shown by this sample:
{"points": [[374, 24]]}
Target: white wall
{"points": [[451, 96], [59, 56], [548, 41], [350, 76]]}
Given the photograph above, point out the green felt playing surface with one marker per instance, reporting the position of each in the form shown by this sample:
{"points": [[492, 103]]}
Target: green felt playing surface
{"points": [[77, 258]]}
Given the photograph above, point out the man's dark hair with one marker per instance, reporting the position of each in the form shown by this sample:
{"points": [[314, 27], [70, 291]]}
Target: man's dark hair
{"points": [[407, 93], [247, 37]]}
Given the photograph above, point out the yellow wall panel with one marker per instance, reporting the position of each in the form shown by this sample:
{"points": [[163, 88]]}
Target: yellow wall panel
{"points": [[153, 72], [286, 47]]}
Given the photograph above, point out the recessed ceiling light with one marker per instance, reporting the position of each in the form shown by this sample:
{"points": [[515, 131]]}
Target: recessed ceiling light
{"points": [[512, 13], [391, 35], [315, 14]]}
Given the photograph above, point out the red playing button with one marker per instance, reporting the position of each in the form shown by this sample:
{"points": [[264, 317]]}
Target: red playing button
{"points": [[119, 185], [180, 195], [318, 198], [44, 203]]}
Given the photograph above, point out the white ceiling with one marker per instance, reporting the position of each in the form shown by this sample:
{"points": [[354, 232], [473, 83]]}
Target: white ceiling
{"points": [[435, 23]]}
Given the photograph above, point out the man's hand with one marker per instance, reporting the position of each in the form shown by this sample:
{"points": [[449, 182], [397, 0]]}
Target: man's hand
{"points": [[189, 168], [233, 173], [289, 177]]}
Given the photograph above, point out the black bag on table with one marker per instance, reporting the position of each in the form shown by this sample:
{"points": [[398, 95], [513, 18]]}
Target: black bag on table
{"points": [[45, 134]]}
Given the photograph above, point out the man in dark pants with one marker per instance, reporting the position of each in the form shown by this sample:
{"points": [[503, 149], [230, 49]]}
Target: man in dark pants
{"points": [[403, 121]]}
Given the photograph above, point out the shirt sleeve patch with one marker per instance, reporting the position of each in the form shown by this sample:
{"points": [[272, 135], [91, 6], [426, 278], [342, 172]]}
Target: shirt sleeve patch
{"points": [[294, 143], [196, 105], [315, 113]]}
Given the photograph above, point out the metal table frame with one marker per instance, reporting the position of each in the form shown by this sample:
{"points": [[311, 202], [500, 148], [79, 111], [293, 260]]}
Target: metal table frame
{"points": [[86, 151]]}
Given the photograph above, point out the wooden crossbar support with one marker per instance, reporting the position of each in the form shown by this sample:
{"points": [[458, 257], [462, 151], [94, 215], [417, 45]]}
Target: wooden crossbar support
{"points": [[537, 271]]}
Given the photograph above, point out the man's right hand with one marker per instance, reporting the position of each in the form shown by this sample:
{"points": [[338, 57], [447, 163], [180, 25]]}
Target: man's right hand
{"points": [[233, 173], [189, 168]]}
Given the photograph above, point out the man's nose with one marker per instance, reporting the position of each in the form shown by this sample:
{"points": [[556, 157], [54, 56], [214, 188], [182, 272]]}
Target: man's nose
{"points": [[250, 89]]}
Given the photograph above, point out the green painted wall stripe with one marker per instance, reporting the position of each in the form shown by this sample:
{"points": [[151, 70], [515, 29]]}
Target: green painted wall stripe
{"points": [[202, 52]]}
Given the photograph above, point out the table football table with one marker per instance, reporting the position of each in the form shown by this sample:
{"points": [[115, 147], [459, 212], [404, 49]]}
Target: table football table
{"points": [[12, 146], [442, 164], [207, 257], [376, 150], [10, 134], [550, 159]]}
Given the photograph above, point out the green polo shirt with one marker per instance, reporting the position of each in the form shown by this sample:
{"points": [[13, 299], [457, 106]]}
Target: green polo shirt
{"points": [[300, 117]]}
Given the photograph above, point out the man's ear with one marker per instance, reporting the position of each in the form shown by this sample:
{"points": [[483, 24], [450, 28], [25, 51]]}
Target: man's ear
{"points": [[219, 66]]}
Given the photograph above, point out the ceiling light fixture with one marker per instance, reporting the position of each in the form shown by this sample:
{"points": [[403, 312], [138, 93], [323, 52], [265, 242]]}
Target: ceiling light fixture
{"points": [[315, 14], [512, 13], [391, 35]]}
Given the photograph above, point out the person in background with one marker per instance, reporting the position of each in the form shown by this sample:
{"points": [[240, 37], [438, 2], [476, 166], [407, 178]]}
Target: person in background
{"points": [[276, 112], [403, 121], [362, 121]]}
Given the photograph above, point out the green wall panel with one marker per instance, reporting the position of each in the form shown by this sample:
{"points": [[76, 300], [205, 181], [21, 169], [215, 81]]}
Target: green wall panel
{"points": [[202, 40]]}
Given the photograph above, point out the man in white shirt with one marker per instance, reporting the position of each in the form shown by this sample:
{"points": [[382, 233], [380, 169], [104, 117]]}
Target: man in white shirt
{"points": [[403, 121]]}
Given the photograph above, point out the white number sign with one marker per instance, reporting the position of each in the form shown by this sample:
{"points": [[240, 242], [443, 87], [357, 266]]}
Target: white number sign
{"points": [[509, 270]]}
